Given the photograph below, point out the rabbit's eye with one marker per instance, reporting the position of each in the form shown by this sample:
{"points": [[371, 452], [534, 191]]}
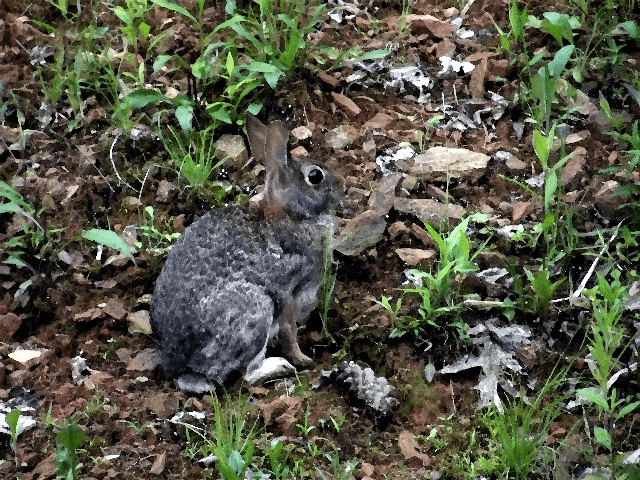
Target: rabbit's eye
{"points": [[314, 176]]}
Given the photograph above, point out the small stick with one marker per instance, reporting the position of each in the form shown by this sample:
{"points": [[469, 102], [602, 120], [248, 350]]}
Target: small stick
{"points": [[595, 262], [466, 8], [113, 163]]}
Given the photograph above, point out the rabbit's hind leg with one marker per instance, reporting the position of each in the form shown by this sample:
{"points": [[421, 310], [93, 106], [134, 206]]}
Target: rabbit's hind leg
{"points": [[288, 333]]}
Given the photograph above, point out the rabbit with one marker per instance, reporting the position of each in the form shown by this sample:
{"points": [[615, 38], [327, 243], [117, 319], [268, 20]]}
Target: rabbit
{"points": [[240, 277]]}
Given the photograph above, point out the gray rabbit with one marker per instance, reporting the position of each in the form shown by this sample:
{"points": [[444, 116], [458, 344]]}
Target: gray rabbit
{"points": [[240, 277]]}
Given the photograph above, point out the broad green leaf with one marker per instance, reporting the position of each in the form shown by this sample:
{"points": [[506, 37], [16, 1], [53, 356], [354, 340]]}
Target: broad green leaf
{"points": [[200, 68], [9, 208], [627, 409], [123, 15], [550, 188], [143, 97], [371, 55], [541, 147], [517, 18], [71, 436], [632, 29], [236, 19], [533, 21], [144, 29], [254, 108], [14, 261], [560, 59], [109, 239], [230, 65], [160, 62], [558, 25], [176, 8], [594, 397], [548, 222], [603, 437], [12, 420], [184, 114], [236, 462], [272, 78]]}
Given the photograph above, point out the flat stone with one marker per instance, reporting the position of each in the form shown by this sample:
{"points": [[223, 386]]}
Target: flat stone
{"points": [[434, 213], [421, 24], [608, 202], [301, 133], [517, 166], [232, 149], [348, 105], [396, 229], [574, 170], [166, 191], [422, 235], [409, 183], [380, 121], [114, 308], [146, 360], [299, 151], [520, 211], [9, 324], [361, 232], [437, 193], [340, 137], [442, 163], [358, 195], [328, 79], [383, 194], [139, 322], [162, 404], [415, 257]]}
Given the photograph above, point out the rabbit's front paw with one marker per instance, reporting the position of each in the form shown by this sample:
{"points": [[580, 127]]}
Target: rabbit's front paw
{"points": [[269, 368]]}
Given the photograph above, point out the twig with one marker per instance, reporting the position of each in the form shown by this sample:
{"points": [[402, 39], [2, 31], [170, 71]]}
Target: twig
{"points": [[592, 268], [113, 164], [143, 182], [466, 8], [586, 278]]}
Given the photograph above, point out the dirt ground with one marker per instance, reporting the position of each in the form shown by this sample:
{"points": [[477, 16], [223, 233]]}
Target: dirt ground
{"points": [[72, 302]]}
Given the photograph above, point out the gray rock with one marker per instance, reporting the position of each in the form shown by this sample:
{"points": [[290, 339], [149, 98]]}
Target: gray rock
{"points": [[416, 256], [383, 195], [434, 213], [231, 149], [361, 232], [442, 163], [341, 136]]}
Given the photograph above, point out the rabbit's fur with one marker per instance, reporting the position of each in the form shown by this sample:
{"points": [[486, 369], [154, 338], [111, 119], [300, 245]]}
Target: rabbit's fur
{"points": [[239, 277]]}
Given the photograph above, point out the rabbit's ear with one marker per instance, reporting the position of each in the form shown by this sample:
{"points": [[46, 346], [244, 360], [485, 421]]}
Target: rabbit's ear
{"points": [[268, 142], [257, 133], [276, 146]]}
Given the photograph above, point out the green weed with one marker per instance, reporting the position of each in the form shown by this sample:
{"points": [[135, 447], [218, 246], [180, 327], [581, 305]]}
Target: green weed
{"points": [[191, 153], [108, 238], [68, 440], [12, 419], [154, 241], [278, 459], [328, 285], [437, 286], [31, 239], [305, 427], [232, 440], [605, 349], [518, 433]]}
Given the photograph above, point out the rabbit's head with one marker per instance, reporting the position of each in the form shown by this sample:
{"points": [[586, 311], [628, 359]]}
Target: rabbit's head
{"points": [[298, 186]]}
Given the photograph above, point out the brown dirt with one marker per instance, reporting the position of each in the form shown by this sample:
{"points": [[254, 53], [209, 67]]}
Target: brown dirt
{"points": [[82, 308]]}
